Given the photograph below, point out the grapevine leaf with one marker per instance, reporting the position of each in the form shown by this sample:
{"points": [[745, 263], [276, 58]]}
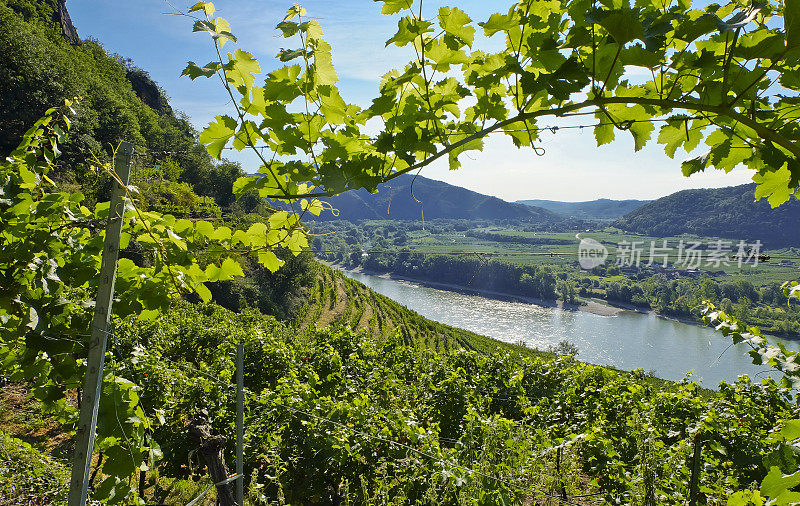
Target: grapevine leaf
{"points": [[194, 71], [690, 29], [791, 23], [776, 483], [474, 144], [696, 164], [395, 6], [231, 268], [288, 28], [672, 136], [500, 22], [790, 430], [242, 66], [203, 291], [207, 7], [204, 229], [623, 25], [217, 134], [456, 22], [269, 260], [324, 73], [408, 30], [774, 185], [604, 133]]}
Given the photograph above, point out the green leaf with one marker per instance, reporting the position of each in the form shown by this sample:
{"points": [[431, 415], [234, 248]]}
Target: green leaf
{"points": [[241, 68], [207, 7], [456, 22], [623, 25], [696, 164], [774, 185], [194, 71], [395, 6], [791, 23], [244, 184], [746, 498], [571, 77], [443, 56], [604, 133], [118, 462], [641, 132], [776, 483], [269, 260], [324, 73], [332, 106], [692, 28], [204, 229], [288, 28], [472, 145], [790, 430], [217, 134], [203, 291], [231, 268], [501, 22], [408, 30], [673, 136]]}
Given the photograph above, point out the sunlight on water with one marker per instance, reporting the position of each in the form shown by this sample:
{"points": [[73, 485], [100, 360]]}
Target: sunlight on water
{"points": [[628, 341]]}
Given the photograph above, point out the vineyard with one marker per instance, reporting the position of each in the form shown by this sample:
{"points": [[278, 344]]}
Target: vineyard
{"points": [[337, 415], [336, 299]]}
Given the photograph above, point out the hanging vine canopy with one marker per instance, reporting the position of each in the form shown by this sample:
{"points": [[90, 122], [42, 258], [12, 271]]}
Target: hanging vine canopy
{"points": [[728, 76]]}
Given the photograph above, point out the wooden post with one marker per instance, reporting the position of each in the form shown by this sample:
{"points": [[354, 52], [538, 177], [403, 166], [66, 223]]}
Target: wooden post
{"points": [[562, 487], [212, 448], [240, 422], [694, 483], [90, 401]]}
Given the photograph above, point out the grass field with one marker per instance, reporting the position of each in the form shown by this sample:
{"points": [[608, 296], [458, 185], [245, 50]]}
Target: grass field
{"points": [[537, 248]]}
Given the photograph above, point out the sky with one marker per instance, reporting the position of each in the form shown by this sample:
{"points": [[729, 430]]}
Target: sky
{"points": [[572, 168]]}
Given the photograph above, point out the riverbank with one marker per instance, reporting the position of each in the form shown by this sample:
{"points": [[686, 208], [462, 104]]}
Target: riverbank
{"points": [[591, 306]]}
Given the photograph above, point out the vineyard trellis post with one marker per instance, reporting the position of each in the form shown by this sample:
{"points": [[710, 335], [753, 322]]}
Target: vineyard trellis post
{"points": [[92, 386], [694, 483], [240, 422]]}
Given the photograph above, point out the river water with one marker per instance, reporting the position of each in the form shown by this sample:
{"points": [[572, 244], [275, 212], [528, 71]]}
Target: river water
{"points": [[627, 341]]}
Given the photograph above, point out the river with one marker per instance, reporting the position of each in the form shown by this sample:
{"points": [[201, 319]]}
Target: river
{"points": [[629, 340]]}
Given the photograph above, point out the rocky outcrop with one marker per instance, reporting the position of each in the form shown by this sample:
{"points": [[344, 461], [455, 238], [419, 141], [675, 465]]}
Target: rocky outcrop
{"points": [[61, 16], [148, 91]]}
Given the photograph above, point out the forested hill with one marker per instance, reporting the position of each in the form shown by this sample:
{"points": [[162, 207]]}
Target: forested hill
{"points": [[729, 212], [600, 209], [43, 61], [394, 200]]}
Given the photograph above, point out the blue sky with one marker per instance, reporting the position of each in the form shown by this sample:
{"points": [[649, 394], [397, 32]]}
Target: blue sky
{"points": [[573, 167]]}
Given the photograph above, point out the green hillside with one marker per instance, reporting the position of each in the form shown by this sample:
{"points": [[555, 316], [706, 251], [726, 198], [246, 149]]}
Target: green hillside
{"points": [[40, 67], [434, 199], [729, 212], [600, 209]]}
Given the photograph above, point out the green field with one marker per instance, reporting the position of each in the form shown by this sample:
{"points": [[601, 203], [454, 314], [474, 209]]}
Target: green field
{"points": [[565, 255]]}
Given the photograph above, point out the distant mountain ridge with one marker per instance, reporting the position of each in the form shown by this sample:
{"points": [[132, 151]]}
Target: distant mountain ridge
{"points": [[394, 201], [600, 209], [730, 212]]}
